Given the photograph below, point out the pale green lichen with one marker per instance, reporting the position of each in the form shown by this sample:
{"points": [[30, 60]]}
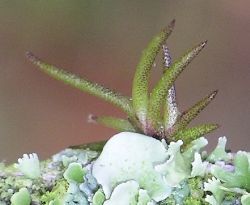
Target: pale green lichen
{"points": [[240, 177], [74, 196], [213, 186], [29, 165], [245, 199], [74, 173], [132, 156], [174, 167], [144, 198], [198, 167], [98, 198], [22, 197], [125, 193], [219, 153], [194, 147]]}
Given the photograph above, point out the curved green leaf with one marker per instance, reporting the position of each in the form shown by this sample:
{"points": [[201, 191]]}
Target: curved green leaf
{"points": [[191, 113], [112, 122], [83, 84], [160, 91], [141, 78], [189, 134]]}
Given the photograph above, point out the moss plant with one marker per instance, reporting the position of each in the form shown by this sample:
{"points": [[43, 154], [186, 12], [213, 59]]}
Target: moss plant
{"points": [[155, 159]]}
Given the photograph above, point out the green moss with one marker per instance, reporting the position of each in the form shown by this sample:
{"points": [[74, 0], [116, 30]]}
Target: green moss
{"points": [[56, 194], [192, 201], [169, 201], [96, 146], [196, 187], [231, 198]]}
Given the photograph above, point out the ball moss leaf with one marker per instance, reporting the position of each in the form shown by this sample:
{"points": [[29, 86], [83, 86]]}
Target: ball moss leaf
{"points": [[192, 112], [85, 85], [141, 78], [159, 93], [113, 122], [193, 133]]}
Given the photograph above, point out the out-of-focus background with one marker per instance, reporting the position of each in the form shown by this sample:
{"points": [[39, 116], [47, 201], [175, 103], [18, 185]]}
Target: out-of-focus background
{"points": [[102, 40]]}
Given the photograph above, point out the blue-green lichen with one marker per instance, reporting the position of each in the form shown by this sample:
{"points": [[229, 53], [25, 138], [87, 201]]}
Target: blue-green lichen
{"points": [[68, 178]]}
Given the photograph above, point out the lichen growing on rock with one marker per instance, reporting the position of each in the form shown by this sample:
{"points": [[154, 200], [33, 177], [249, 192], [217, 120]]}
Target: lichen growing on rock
{"points": [[122, 174]]}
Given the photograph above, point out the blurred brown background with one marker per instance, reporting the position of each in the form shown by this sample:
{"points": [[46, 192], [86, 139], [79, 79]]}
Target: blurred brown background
{"points": [[102, 40]]}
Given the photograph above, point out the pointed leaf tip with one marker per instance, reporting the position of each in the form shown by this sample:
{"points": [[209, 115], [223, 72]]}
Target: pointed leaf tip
{"points": [[199, 47], [204, 43], [213, 94], [92, 118], [31, 57], [191, 113], [172, 24], [169, 28], [193, 133], [115, 123]]}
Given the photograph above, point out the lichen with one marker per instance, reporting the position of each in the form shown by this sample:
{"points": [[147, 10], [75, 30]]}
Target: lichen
{"points": [[132, 156], [80, 176], [22, 197]]}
